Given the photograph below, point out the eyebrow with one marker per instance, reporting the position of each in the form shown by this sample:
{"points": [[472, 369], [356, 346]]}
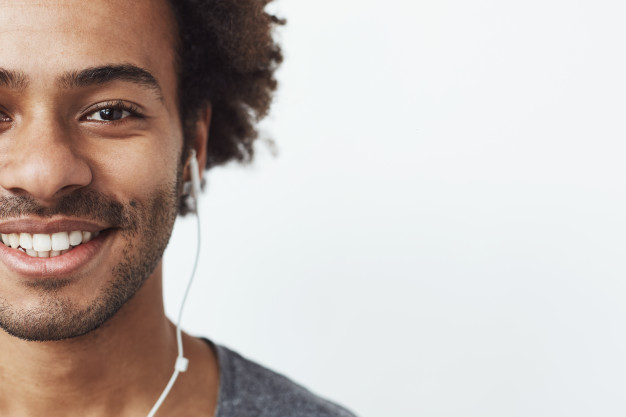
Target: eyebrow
{"points": [[93, 76], [14, 80], [108, 73]]}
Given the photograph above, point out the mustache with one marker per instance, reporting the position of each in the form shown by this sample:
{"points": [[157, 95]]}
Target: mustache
{"points": [[87, 204]]}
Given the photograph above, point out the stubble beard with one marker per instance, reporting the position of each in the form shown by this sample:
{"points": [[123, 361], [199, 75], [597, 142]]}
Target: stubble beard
{"points": [[146, 229]]}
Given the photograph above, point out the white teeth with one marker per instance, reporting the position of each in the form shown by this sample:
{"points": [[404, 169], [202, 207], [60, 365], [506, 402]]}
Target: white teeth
{"points": [[46, 245], [60, 241], [26, 240], [14, 240], [42, 242], [76, 237]]}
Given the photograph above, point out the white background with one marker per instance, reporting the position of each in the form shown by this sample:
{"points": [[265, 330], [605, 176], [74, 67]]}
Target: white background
{"points": [[442, 232]]}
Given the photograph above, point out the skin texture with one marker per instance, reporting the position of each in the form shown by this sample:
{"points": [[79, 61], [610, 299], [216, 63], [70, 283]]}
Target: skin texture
{"points": [[56, 159]]}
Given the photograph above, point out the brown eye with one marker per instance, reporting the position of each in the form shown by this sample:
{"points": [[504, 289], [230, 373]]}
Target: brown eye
{"points": [[110, 114]]}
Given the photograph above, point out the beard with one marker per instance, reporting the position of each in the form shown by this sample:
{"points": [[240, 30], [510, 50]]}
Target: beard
{"points": [[146, 229]]}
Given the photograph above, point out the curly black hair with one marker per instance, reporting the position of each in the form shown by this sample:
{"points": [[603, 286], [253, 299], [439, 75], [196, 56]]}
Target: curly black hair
{"points": [[227, 57]]}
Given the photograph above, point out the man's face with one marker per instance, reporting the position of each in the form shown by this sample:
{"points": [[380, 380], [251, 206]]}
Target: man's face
{"points": [[90, 141]]}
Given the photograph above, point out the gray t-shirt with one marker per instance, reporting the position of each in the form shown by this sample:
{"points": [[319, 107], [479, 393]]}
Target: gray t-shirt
{"points": [[249, 390]]}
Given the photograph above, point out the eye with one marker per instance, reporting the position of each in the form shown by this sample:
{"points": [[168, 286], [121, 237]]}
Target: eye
{"points": [[4, 117], [108, 115], [112, 112]]}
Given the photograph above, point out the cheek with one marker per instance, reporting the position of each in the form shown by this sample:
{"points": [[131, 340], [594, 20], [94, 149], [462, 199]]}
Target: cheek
{"points": [[134, 171]]}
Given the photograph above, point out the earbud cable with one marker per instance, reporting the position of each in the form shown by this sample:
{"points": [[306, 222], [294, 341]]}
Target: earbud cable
{"points": [[181, 361]]}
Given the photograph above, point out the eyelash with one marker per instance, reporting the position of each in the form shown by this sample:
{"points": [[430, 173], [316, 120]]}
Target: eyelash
{"points": [[131, 108]]}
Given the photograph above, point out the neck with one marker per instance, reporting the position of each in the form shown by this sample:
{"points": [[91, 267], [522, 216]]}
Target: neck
{"points": [[101, 373]]}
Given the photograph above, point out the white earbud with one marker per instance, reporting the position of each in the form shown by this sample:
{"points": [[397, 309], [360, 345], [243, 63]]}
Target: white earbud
{"points": [[195, 176], [193, 188]]}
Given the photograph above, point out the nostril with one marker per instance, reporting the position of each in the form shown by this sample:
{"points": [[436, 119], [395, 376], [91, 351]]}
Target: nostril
{"points": [[69, 188], [18, 191]]}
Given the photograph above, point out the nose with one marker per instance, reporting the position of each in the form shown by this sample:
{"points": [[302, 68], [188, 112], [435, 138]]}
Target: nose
{"points": [[41, 160]]}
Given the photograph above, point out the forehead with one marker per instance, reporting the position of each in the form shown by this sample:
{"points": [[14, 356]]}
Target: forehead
{"points": [[49, 37]]}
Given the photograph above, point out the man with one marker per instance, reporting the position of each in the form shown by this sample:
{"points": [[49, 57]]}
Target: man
{"points": [[100, 105]]}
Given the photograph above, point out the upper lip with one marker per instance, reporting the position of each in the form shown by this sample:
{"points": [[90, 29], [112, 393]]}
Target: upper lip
{"points": [[45, 226]]}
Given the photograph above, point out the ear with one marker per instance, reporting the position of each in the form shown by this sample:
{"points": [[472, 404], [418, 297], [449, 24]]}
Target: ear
{"points": [[199, 140]]}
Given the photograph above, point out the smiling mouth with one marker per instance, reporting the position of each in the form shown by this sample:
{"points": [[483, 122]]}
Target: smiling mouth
{"points": [[42, 245]]}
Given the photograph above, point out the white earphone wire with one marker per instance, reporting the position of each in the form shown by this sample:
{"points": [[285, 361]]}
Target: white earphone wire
{"points": [[182, 362]]}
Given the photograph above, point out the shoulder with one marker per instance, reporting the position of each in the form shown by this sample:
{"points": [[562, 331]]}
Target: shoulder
{"points": [[249, 389]]}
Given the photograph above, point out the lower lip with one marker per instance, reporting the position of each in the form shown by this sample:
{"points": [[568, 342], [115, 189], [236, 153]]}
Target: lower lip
{"points": [[57, 266]]}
